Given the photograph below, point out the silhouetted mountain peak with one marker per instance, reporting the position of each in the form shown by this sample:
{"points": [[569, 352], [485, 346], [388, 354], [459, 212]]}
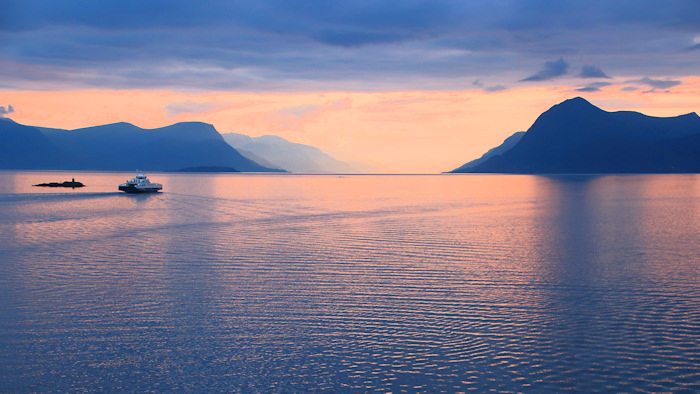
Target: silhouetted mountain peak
{"points": [[691, 115], [574, 108], [576, 102], [120, 146], [190, 131], [112, 125], [101, 131], [193, 125], [575, 136], [571, 122]]}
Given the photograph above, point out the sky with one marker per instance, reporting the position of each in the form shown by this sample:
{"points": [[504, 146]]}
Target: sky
{"points": [[405, 86]]}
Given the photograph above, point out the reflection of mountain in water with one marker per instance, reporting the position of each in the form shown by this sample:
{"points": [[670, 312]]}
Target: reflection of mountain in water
{"points": [[578, 137]]}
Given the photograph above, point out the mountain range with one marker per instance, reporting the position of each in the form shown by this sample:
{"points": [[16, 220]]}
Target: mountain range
{"points": [[187, 146], [571, 137], [577, 137], [120, 146], [277, 152]]}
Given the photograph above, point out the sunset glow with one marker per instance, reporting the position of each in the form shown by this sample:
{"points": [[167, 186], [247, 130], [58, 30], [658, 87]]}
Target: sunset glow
{"points": [[349, 196], [406, 87], [406, 132]]}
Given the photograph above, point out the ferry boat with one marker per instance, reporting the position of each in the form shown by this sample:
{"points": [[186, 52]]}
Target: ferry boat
{"points": [[140, 184]]}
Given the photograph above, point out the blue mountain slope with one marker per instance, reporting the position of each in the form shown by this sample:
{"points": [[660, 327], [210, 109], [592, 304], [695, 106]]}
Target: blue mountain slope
{"points": [[123, 146], [26, 147], [499, 150], [577, 137]]}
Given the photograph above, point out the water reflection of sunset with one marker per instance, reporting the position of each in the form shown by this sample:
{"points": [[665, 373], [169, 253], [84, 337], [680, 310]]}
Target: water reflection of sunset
{"points": [[388, 282]]}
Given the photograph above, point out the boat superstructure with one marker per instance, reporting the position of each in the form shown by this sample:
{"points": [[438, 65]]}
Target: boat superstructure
{"points": [[140, 184]]}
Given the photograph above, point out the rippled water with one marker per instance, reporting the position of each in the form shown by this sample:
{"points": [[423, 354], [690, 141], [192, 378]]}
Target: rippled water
{"points": [[291, 283]]}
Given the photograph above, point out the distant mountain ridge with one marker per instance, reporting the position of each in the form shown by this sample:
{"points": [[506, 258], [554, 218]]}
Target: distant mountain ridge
{"points": [[276, 151], [577, 137], [120, 146]]}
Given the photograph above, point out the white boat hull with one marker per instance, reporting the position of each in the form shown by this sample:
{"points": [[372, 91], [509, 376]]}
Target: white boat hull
{"points": [[136, 189]]}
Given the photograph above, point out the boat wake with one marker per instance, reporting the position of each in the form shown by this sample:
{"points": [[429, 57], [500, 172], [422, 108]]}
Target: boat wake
{"points": [[29, 197]]}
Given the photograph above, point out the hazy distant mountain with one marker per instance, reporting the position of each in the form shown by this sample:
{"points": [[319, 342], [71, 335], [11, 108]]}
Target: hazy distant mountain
{"points": [[278, 152], [119, 146], [578, 137]]}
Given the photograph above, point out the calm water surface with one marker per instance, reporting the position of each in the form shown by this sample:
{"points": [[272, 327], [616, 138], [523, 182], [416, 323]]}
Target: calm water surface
{"points": [[292, 283]]}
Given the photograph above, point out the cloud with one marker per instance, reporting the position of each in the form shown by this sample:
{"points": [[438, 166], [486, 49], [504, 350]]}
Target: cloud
{"points": [[590, 71], [657, 84], [294, 117], [488, 89], [550, 70], [350, 38], [696, 44], [6, 111], [191, 107], [301, 110], [495, 88], [305, 110], [269, 45], [593, 87]]}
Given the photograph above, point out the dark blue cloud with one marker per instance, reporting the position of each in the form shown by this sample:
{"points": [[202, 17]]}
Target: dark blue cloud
{"points": [[589, 89], [550, 70], [6, 111], [489, 89], [350, 38], [660, 84], [364, 44], [495, 88], [590, 71], [594, 87]]}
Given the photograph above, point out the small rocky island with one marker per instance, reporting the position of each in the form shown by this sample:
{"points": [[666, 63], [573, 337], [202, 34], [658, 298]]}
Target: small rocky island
{"points": [[72, 183]]}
